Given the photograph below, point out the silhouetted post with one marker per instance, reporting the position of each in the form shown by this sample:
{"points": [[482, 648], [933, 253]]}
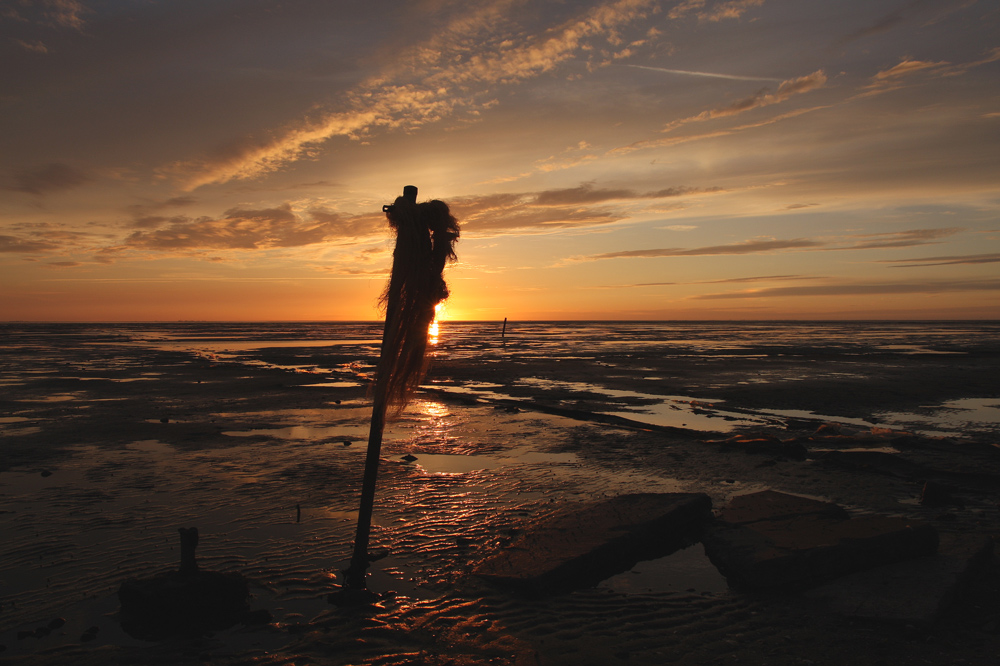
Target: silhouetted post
{"points": [[503, 332], [354, 577], [425, 238]]}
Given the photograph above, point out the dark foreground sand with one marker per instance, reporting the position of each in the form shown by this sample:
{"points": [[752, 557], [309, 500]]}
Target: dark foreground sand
{"points": [[104, 457]]}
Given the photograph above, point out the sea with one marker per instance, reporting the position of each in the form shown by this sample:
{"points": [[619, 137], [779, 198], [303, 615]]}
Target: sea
{"points": [[627, 368]]}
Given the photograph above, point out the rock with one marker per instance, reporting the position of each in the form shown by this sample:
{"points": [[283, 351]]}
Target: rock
{"points": [[773, 540], [935, 494], [257, 617], [176, 604], [916, 591], [772, 505], [582, 546], [409, 457], [186, 602], [57, 623]]}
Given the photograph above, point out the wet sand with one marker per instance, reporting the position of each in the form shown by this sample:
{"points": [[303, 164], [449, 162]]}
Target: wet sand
{"points": [[109, 448]]}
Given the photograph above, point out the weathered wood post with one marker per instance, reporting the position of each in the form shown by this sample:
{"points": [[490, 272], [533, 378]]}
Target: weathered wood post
{"points": [[425, 239], [354, 576]]}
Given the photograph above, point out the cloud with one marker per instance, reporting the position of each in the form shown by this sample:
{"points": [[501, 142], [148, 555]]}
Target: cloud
{"points": [[36, 46], [256, 229], [151, 206], [582, 206], [454, 71], [745, 247], [712, 75], [716, 11], [862, 289], [892, 78], [907, 67], [586, 194], [51, 13], [855, 242], [758, 278], [970, 259], [15, 244], [761, 98], [911, 10], [53, 177]]}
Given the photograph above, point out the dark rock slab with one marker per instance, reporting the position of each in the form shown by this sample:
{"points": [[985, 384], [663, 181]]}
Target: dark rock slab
{"points": [[916, 591], [773, 540], [180, 604], [185, 602], [772, 505], [584, 545]]}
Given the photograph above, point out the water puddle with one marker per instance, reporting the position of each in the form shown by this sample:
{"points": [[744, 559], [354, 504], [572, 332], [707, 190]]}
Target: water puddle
{"points": [[673, 411], [304, 432], [219, 345], [965, 417], [58, 397], [957, 418], [446, 463], [687, 570]]}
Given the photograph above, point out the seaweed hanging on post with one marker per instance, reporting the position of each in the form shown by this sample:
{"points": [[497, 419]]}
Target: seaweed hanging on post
{"points": [[425, 238]]}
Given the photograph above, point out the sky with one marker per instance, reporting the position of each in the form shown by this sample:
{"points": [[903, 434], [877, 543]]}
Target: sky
{"points": [[227, 160]]}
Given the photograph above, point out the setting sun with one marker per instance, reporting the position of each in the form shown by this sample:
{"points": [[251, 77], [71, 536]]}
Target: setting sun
{"points": [[432, 332]]}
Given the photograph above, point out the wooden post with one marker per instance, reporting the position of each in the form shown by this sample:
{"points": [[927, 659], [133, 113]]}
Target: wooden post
{"points": [[354, 576]]}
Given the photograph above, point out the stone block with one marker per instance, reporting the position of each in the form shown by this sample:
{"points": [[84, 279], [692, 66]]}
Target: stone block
{"points": [[916, 591], [783, 541], [582, 546]]}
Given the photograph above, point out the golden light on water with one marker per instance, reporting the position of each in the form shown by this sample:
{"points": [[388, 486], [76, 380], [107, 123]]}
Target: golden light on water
{"points": [[434, 329]]}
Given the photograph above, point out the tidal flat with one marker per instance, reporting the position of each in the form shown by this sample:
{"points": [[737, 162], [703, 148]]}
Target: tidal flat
{"points": [[115, 436]]}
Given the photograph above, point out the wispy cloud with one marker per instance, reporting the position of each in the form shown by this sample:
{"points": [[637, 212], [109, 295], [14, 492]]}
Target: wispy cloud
{"points": [[862, 289], [922, 10], [48, 178], [711, 75], [52, 13], [547, 210], [456, 70], [255, 229], [746, 247], [753, 279], [857, 242], [16, 244], [761, 98], [893, 77], [970, 259], [713, 11]]}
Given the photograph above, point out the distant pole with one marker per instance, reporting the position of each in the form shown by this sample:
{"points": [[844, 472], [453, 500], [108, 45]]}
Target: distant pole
{"points": [[354, 576], [503, 333]]}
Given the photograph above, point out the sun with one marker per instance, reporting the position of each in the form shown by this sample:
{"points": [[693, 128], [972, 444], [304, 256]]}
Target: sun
{"points": [[434, 329]]}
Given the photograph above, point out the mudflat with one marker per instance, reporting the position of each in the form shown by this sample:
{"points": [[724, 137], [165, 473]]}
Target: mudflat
{"points": [[115, 437]]}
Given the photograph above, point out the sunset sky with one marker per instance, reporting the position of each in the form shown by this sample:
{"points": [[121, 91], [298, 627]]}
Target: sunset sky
{"points": [[693, 159]]}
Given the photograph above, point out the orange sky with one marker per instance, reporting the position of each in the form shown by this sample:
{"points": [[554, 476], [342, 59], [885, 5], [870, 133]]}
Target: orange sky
{"points": [[630, 159]]}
